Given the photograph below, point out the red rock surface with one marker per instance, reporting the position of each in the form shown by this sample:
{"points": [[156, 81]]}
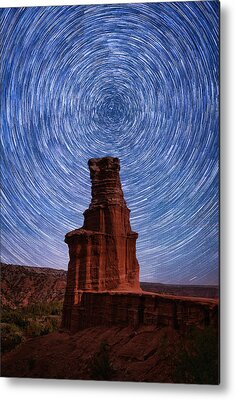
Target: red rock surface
{"points": [[147, 354], [103, 273], [134, 354], [136, 309], [103, 252]]}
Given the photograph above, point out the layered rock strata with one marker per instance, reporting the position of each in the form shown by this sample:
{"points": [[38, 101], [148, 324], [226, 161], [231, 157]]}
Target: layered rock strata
{"points": [[103, 251], [137, 309], [103, 273]]}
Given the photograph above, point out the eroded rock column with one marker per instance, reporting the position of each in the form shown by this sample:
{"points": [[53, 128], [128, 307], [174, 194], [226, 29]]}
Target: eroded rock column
{"points": [[103, 251]]}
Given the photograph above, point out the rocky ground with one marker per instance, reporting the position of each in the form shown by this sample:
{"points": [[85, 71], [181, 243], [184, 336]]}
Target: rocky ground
{"points": [[31, 309], [121, 354]]}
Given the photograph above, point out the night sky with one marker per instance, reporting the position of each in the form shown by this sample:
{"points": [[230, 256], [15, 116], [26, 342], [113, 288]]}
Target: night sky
{"points": [[134, 81]]}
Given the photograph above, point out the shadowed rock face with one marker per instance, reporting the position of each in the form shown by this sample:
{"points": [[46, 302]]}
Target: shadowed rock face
{"points": [[103, 252]]}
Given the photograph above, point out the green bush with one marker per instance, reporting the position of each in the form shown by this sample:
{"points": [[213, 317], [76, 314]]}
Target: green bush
{"points": [[42, 327], [100, 366], [54, 323], [39, 309], [34, 329], [11, 336], [16, 317], [30, 321]]}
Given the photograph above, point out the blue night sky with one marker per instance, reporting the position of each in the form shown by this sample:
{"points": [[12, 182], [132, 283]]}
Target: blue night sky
{"points": [[134, 81]]}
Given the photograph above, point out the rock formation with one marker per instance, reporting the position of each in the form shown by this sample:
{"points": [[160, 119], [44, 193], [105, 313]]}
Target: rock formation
{"points": [[103, 273], [137, 309], [103, 252]]}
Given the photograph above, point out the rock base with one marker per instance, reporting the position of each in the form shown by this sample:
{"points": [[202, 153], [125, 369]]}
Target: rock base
{"points": [[137, 309]]}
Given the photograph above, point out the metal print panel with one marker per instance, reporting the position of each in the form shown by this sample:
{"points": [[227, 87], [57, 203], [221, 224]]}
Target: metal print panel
{"points": [[109, 241]]}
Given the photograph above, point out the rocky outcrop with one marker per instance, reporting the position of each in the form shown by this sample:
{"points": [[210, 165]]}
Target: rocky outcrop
{"points": [[103, 251], [103, 273], [137, 309]]}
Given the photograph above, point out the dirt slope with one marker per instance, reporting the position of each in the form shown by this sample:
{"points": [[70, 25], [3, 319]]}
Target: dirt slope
{"points": [[119, 354], [133, 355]]}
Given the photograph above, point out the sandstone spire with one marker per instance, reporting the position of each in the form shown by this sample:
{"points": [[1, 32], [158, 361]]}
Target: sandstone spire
{"points": [[103, 273], [103, 252]]}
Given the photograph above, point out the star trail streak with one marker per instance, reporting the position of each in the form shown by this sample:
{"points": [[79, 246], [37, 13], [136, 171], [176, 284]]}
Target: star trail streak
{"points": [[135, 81]]}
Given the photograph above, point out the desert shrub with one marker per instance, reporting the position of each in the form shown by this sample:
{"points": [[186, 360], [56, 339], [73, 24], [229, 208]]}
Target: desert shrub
{"points": [[30, 321], [50, 325], [11, 336], [39, 309], [197, 359], [56, 308], [35, 328], [54, 322], [100, 365], [16, 317], [42, 327]]}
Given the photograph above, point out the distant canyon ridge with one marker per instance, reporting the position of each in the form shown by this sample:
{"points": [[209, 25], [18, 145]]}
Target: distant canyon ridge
{"points": [[24, 285]]}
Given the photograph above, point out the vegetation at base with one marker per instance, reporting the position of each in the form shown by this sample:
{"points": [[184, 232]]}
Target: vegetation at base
{"points": [[53, 308], [11, 336], [101, 368], [197, 359], [31, 321], [16, 317]]}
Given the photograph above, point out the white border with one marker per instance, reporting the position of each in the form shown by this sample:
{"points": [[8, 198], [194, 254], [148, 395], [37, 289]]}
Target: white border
{"points": [[28, 3], [23, 389]]}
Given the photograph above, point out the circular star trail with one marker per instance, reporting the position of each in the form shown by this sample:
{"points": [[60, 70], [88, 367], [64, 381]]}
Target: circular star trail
{"points": [[134, 81]]}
